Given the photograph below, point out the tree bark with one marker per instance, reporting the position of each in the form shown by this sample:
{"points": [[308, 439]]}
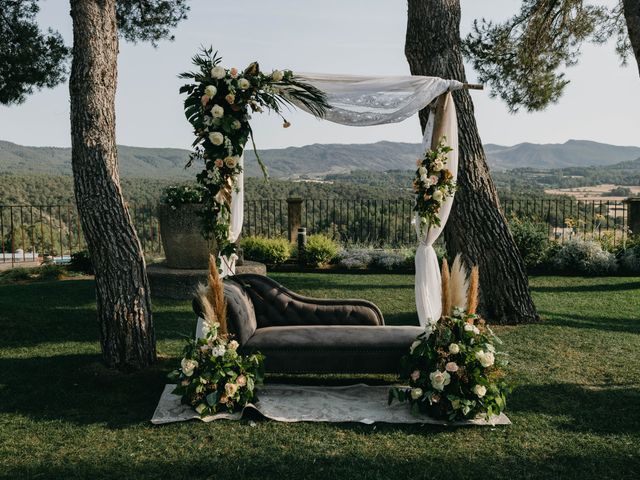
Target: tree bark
{"points": [[476, 228], [122, 289], [632, 17]]}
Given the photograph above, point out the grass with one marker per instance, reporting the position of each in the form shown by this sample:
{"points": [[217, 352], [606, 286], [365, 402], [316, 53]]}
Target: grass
{"points": [[575, 408]]}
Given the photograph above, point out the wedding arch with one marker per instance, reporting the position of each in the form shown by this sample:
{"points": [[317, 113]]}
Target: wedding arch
{"points": [[348, 100]]}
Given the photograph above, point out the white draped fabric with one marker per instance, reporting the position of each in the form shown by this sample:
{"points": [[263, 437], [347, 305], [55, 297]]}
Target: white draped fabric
{"points": [[228, 264], [370, 100]]}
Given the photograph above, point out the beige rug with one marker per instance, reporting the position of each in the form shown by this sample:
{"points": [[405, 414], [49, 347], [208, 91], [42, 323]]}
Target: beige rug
{"points": [[299, 403]]}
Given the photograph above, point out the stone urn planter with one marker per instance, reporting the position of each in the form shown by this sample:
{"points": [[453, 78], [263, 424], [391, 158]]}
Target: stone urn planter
{"points": [[182, 240]]}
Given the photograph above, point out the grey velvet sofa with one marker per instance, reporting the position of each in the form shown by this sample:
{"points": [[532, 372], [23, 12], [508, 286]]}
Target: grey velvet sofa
{"points": [[308, 335]]}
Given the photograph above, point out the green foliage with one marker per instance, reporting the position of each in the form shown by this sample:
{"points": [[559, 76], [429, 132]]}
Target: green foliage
{"points": [[29, 58], [51, 271], [183, 194], [81, 262], [149, 20], [522, 58], [532, 239], [618, 192], [17, 274], [272, 251], [319, 250]]}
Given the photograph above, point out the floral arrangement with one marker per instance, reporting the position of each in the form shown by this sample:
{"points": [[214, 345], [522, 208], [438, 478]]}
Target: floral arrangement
{"points": [[218, 106], [433, 183], [213, 376], [453, 368]]}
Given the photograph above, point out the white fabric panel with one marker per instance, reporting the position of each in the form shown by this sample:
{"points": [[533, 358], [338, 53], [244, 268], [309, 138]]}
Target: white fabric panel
{"points": [[228, 264], [365, 100], [428, 280]]}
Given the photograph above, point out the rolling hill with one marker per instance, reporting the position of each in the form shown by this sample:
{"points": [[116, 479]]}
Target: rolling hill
{"points": [[317, 159]]}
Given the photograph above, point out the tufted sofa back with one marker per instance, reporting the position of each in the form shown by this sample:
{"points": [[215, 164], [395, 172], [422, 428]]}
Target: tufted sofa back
{"points": [[275, 305]]}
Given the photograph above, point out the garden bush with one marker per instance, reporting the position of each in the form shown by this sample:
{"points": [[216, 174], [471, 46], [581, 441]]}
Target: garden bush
{"points": [[391, 259], [582, 256], [319, 251], [532, 240], [272, 251], [51, 271], [630, 259], [81, 262], [356, 258]]}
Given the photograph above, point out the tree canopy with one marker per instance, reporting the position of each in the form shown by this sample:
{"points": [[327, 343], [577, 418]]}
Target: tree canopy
{"points": [[523, 59], [33, 58]]}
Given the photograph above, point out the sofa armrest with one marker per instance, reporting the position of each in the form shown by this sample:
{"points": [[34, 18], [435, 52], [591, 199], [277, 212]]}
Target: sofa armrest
{"points": [[241, 317]]}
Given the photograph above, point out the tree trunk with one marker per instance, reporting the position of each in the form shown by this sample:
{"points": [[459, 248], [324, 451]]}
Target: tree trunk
{"points": [[476, 228], [122, 289], [632, 16]]}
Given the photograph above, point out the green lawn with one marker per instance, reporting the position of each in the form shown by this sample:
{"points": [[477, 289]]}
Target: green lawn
{"points": [[575, 408]]}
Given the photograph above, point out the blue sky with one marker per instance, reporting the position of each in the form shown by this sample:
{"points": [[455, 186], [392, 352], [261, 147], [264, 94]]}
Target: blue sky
{"points": [[330, 36]]}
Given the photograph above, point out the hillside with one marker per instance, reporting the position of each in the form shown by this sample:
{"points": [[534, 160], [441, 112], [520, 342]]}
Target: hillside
{"points": [[318, 159]]}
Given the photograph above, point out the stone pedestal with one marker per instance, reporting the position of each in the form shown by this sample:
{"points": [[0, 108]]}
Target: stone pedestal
{"points": [[180, 284]]}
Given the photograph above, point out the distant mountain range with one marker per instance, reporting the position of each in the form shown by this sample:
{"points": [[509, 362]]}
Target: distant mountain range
{"points": [[318, 159]]}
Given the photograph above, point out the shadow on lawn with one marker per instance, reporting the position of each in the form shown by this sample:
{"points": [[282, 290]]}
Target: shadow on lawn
{"points": [[58, 312], [591, 287], [582, 408], [625, 325], [79, 389]]}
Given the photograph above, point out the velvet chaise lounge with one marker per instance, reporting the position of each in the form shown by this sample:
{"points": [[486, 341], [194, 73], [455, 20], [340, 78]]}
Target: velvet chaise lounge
{"points": [[299, 334]]}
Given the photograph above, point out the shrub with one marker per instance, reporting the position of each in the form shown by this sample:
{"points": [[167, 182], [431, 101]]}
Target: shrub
{"points": [[532, 240], [17, 274], [51, 271], [81, 262], [584, 257], [630, 259], [272, 251], [319, 250], [355, 258], [390, 260]]}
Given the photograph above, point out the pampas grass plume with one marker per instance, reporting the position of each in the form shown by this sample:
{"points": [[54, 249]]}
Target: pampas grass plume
{"points": [[458, 284], [446, 298], [474, 287], [215, 294]]}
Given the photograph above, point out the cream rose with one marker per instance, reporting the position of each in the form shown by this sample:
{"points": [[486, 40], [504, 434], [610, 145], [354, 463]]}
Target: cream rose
{"points": [[218, 72], [231, 389], [486, 359], [236, 125], [439, 379], [277, 75], [217, 111], [216, 138], [438, 165], [422, 171], [451, 367], [230, 98], [480, 390], [231, 162], [416, 393], [243, 83], [210, 91], [241, 381], [438, 196], [454, 348], [188, 366], [233, 345]]}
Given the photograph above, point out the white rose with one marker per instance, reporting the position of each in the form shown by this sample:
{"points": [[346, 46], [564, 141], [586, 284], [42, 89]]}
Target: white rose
{"points": [[476, 330], [236, 125], [231, 162], [480, 390], [422, 171], [438, 165], [210, 91], [218, 72], [277, 75], [486, 359], [416, 393], [217, 351], [439, 379], [425, 179], [243, 83], [468, 327], [230, 389], [216, 138], [454, 348], [451, 367], [438, 196], [217, 111], [414, 345], [188, 366]]}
